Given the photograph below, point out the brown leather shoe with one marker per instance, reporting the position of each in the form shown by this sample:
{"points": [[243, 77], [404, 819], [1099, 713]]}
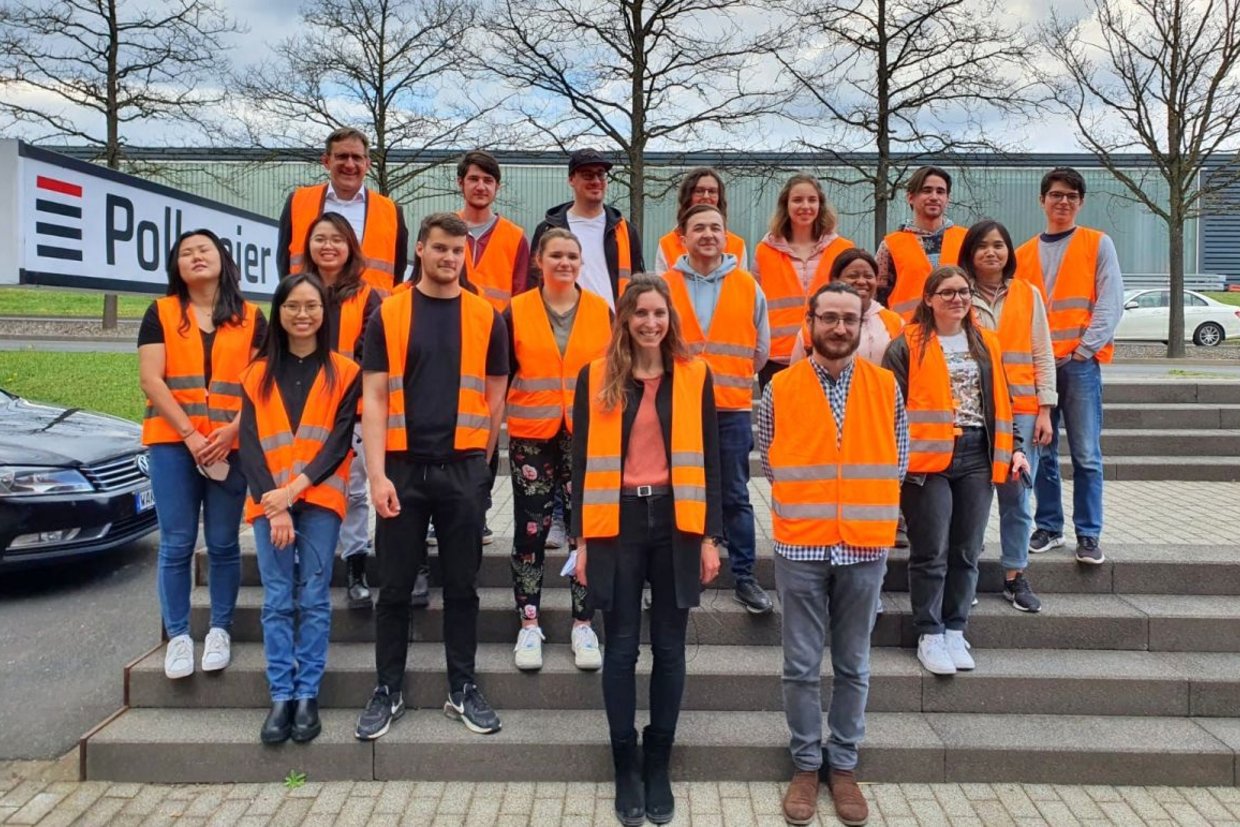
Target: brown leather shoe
{"points": [[850, 805], [801, 799]]}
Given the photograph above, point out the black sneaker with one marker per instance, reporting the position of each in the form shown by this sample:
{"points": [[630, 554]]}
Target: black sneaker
{"points": [[421, 597], [1042, 540], [358, 589], [382, 708], [752, 596], [1089, 552], [1019, 593], [470, 708], [487, 535]]}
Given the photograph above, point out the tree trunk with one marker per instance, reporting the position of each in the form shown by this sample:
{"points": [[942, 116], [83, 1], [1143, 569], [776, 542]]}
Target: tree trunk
{"points": [[881, 200], [882, 137], [1175, 238], [637, 189]]}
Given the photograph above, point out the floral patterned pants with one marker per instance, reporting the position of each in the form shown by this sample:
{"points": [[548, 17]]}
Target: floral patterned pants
{"points": [[539, 468]]}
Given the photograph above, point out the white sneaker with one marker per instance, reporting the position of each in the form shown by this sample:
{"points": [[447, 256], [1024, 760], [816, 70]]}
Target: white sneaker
{"points": [[179, 657], [527, 654], [933, 654], [217, 651], [557, 536], [958, 649], [585, 649]]}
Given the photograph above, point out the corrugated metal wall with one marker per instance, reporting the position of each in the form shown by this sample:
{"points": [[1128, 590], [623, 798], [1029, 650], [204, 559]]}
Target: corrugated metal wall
{"points": [[1220, 248], [1009, 194]]}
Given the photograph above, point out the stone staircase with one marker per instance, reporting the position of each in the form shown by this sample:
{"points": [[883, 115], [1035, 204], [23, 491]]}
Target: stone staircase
{"points": [[1130, 675]]}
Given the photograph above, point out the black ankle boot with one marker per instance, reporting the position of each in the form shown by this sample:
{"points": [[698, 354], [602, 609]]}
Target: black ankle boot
{"points": [[358, 590], [656, 755], [306, 724], [279, 723], [630, 803]]}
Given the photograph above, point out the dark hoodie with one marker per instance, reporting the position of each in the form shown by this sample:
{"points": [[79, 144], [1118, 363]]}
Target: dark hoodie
{"points": [[558, 217]]}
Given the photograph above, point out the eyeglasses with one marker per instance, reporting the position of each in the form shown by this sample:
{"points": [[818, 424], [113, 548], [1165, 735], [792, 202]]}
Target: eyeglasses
{"points": [[964, 294], [311, 309], [705, 190], [833, 319], [1059, 195], [591, 175], [344, 157]]}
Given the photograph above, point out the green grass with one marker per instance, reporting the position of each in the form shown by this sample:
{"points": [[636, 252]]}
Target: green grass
{"points": [[48, 301], [1225, 298], [105, 382]]}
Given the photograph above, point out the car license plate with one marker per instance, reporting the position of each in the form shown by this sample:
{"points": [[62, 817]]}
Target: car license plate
{"points": [[144, 499]]}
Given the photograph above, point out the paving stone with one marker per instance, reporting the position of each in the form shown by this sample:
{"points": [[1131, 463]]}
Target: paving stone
{"points": [[102, 812], [36, 808], [1186, 815], [704, 798], [268, 800], [394, 796], [707, 820], [1080, 804], [456, 797], [518, 798], [449, 820], [550, 789], [484, 810], [291, 813], [733, 789], [356, 812], [1016, 801], [228, 814], [20, 794], [891, 801], [331, 798], [1143, 804], [739, 814], [1206, 804], [145, 802], [767, 797], [547, 810]]}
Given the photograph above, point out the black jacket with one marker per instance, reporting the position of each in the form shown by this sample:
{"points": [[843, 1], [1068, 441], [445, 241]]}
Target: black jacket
{"points": [[604, 552], [558, 217], [285, 235], [896, 360]]}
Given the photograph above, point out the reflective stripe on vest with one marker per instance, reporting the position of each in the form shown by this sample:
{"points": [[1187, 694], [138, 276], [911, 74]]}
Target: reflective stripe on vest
{"points": [[1016, 336], [600, 512], [492, 273], [208, 409], [728, 347], [1070, 308], [785, 298], [673, 249], [473, 417], [287, 454], [540, 398], [827, 490], [932, 413], [912, 266], [379, 235]]}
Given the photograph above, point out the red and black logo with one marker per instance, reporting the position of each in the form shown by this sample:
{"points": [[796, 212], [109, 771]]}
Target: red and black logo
{"points": [[59, 225]]}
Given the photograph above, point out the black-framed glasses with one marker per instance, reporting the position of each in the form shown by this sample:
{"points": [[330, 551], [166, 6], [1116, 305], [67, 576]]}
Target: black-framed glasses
{"points": [[833, 319], [964, 294]]}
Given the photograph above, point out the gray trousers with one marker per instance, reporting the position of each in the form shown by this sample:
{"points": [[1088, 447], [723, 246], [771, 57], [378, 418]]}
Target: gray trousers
{"points": [[823, 602], [355, 528]]}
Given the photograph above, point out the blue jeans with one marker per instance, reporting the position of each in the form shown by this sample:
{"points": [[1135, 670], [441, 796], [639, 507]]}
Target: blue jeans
{"points": [[735, 443], [1080, 405], [825, 604], [1015, 515], [180, 494], [297, 605]]}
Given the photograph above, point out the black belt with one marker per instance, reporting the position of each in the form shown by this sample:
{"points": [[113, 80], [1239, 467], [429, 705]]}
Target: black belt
{"points": [[645, 490]]}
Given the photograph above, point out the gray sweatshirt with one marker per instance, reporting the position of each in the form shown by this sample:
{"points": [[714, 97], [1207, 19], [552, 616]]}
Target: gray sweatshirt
{"points": [[1109, 306]]}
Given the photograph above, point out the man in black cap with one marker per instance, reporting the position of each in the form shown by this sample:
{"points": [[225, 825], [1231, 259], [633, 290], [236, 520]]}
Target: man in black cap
{"points": [[611, 249]]}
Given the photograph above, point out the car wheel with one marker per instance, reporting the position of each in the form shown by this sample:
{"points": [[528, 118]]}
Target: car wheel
{"points": [[1208, 335]]}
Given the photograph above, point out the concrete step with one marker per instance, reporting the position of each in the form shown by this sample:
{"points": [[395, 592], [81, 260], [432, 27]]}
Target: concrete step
{"points": [[1175, 415], [214, 745], [1170, 391], [1177, 442], [747, 678], [1068, 621], [1129, 569]]}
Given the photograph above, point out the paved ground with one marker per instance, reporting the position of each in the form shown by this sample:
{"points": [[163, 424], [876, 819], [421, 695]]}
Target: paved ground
{"points": [[43, 794]]}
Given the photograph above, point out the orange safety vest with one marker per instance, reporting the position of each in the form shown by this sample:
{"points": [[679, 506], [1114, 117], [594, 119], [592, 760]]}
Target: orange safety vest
{"points": [[208, 408], [913, 266], [492, 273], [352, 317], [932, 410], [890, 320], [728, 347], [785, 300], [624, 258], [540, 397], [287, 454], [473, 416], [673, 249], [600, 509], [1016, 336], [378, 237], [827, 489], [1070, 307]]}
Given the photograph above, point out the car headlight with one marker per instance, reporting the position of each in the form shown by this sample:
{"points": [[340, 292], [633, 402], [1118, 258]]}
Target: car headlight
{"points": [[17, 481]]}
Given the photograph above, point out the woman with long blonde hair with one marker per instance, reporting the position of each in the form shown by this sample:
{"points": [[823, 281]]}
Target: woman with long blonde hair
{"points": [[646, 508]]}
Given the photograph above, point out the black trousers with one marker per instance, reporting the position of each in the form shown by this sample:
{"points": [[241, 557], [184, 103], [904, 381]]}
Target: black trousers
{"points": [[646, 531], [451, 494]]}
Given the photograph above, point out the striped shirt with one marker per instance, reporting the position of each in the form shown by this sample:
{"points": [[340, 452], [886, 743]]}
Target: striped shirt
{"points": [[836, 391]]}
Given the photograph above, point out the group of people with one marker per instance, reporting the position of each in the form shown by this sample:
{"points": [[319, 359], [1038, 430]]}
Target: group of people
{"points": [[899, 391]]}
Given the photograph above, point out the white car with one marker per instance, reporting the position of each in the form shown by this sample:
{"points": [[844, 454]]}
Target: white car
{"points": [[1147, 316]]}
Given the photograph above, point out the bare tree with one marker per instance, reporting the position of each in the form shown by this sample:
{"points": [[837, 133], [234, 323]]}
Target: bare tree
{"points": [[902, 83], [633, 73], [1160, 77], [389, 67]]}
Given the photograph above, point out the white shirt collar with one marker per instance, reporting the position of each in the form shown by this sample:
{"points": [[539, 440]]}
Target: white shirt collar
{"points": [[360, 197]]}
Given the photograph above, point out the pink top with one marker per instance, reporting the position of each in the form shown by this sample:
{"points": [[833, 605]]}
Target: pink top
{"points": [[645, 462]]}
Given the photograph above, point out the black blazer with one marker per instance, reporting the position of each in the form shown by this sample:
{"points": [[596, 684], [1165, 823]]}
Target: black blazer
{"points": [[603, 556]]}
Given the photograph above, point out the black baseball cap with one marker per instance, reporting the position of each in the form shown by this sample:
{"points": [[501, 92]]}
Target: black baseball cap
{"points": [[587, 158]]}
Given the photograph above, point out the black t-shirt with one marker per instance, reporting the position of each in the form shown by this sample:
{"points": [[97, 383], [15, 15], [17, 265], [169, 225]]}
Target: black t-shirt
{"points": [[433, 373], [151, 332]]}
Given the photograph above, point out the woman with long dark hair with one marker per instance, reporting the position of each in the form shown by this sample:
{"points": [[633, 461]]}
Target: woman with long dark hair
{"points": [[335, 256], [192, 347], [794, 260], [1014, 310], [961, 445], [299, 401], [647, 502]]}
